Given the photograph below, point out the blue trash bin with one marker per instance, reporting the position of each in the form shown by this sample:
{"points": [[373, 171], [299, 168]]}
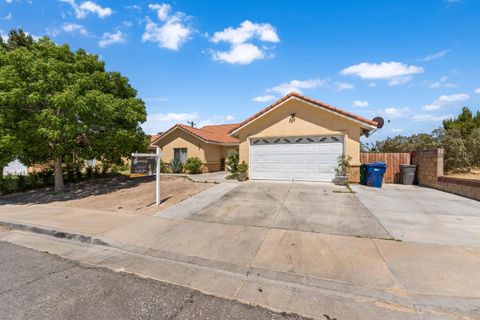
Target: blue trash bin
{"points": [[375, 172]]}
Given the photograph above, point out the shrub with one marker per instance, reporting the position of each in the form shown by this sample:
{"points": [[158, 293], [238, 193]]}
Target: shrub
{"points": [[70, 172], [22, 183], [176, 166], [34, 179], [46, 177], [89, 172], [242, 167], [114, 170], [96, 171], [193, 165], [232, 163], [164, 168], [343, 163], [104, 168], [456, 154], [78, 170], [9, 184]]}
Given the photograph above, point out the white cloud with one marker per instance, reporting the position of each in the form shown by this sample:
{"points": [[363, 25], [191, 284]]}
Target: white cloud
{"points": [[446, 101], [372, 84], [430, 117], [360, 103], [396, 72], [242, 50], [172, 32], [87, 7], [111, 38], [73, 27], [442, 83], [134, 7], [264, 98], [477, 90], [244, 53], [399, 80], [7, 17], [340, 86], [163, 10], [395, 113], [247, 31], [297, 86], [396, 130], [436, 55]]}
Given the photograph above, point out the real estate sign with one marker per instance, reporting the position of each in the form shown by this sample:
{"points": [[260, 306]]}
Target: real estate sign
{"points": [[142, 167]]}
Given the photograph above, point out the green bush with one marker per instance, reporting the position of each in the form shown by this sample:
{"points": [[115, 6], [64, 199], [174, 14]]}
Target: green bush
{"points": [[70, 172], [104, 168], [232, 163], [78, 170], [96, 171], [46, 177], [176, 166], [34, 180], [193, 165], [9, 184], [456, 156], [89, 172], [164, 167], [242, 167]]}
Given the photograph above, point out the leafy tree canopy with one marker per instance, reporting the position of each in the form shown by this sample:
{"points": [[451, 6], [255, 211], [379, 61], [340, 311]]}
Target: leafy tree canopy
{"points": [[56, 103], [465, 122]]}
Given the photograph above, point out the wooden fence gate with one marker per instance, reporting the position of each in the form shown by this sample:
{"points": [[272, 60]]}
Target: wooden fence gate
{"points": [[393, 161]]}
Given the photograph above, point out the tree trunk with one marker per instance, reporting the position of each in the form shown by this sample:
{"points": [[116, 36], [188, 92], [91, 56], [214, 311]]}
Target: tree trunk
{"points": [[59, 186]]}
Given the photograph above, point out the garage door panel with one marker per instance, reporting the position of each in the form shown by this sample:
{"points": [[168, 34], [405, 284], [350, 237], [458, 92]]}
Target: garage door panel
{"points": [[294, 158]]}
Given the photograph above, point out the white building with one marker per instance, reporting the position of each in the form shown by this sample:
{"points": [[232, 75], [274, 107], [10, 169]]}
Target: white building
{"points": [[15, 168]]}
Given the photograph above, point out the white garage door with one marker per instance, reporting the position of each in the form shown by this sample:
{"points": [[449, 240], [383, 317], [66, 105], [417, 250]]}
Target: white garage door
{"points": [[295, 158]]}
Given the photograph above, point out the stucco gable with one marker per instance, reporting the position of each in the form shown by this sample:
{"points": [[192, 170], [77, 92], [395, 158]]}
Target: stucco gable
{"points": [[306, 101]]}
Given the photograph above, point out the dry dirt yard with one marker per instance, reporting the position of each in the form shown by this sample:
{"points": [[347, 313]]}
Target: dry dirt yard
{"points": [[117, 194], [473, 174]]}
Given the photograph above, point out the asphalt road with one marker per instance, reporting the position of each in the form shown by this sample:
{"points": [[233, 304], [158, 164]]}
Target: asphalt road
{"points": [[37, 285]]}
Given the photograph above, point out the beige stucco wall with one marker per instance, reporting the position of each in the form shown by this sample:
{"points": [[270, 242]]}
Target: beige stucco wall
{"points": [[309, 120], [210, 154]]}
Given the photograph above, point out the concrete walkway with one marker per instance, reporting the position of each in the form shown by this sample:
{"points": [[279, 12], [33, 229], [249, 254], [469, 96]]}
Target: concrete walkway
{"points": [[309, 273]]}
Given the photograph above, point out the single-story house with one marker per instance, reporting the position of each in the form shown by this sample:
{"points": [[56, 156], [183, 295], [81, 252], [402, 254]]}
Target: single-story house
{"points": [[295, 138], [211, 144]]}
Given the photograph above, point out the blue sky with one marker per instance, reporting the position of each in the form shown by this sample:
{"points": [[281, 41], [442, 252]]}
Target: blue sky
{"points": [[411, 62]]}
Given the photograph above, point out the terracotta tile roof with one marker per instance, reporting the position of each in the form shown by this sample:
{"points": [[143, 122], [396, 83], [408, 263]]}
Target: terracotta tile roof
{"points": [[152, 138], [211, 133], [310, 100]]}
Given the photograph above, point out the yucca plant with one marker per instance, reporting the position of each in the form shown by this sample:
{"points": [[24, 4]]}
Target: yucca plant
{"points": [[176, 166]]}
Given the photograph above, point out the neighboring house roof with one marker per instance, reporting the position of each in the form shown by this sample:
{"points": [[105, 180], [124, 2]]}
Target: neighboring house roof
{"points": [[210, 134], [152, 139], [369, 123]]}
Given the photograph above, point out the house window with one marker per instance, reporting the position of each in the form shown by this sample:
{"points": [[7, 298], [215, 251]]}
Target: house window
{"points": [[180, 154]]}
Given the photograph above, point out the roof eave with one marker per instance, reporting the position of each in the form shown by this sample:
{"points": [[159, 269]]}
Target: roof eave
{"points": [[291, 96]]}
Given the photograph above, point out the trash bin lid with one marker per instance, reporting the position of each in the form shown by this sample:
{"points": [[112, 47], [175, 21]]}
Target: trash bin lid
{"points": [[408, 166], [378, 164]]}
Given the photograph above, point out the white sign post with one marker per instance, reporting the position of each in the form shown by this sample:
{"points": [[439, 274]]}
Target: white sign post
{"points": [[157, 157]]}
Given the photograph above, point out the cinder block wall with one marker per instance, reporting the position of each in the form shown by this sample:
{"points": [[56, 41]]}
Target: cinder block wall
{"points": [[430, 174], [430, 166]]}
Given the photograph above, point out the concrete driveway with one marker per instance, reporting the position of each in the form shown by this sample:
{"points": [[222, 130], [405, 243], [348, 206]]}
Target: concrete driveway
{"points": [[301, 206], [418, 214]]}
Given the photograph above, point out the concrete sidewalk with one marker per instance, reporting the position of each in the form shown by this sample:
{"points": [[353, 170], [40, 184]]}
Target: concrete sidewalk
{"points": [[286, 270]]}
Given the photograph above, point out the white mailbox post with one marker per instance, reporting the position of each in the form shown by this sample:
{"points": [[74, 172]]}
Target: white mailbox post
{"points": [[157, 157]]}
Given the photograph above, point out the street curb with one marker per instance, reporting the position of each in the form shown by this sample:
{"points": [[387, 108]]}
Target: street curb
{"points": [[54, 233]]}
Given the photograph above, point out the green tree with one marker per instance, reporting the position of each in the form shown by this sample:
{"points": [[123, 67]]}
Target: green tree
{"points": [[456, 155], [465, 122], [57, 103]]}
